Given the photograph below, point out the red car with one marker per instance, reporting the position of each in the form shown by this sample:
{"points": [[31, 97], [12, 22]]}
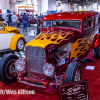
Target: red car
{"points": [[53, 57], [31, 20]]}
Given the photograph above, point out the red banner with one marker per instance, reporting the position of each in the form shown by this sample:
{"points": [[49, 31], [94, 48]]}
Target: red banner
{"points": [[29, 10]]}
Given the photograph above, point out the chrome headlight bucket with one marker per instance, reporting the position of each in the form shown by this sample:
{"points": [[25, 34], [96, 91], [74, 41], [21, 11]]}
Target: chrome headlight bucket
{"points": [[20, 65], [48, 69]]}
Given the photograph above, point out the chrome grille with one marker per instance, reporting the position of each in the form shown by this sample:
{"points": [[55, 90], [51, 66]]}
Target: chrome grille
{"points": [[35, 61]]}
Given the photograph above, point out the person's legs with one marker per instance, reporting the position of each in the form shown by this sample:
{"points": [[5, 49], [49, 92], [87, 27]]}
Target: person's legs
{"points": [[26, 26], [13, 24], [23, 26], [10, 23]]}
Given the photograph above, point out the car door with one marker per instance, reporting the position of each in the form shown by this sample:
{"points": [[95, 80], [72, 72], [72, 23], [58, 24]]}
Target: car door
{"points": [[4, 39]]}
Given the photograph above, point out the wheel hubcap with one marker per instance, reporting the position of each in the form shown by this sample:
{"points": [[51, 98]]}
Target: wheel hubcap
{"points": [[77, 75], [10, 69], [20, 44]]}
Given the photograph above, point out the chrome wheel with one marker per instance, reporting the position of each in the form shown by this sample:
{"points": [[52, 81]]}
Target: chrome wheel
{"points": [[77, 75], [10, 69], [20, 44]]}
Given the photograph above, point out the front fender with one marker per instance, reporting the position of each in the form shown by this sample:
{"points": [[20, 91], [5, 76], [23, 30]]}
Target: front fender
{"points": [[96, 40], [14, 40]]}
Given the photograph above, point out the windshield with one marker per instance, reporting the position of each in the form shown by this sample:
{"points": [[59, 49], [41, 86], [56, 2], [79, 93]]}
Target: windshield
{"points": [[62, 23]]}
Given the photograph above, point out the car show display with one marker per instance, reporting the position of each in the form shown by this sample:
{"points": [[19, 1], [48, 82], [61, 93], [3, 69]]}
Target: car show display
{"points": [[53, 56], [49, 49], [56, 57]]}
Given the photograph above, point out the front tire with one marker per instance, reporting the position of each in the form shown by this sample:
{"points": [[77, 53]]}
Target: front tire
{"points": [[20, 45], [96, 52], [8, 73], [73, 72]]}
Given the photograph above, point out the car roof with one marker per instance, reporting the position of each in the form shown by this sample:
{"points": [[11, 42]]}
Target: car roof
{"points": [[75, 15]]}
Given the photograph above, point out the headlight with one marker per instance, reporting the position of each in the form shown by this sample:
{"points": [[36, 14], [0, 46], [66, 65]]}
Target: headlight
{"points": [[20, 65], [48, 69]]}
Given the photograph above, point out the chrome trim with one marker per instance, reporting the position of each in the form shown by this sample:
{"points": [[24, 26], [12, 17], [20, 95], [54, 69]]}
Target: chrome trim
{"points": [[35, 56], [36, 85], [88, 28]]}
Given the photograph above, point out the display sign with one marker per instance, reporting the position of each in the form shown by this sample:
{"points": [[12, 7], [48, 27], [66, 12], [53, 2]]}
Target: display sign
{"points": [[74, 91]]}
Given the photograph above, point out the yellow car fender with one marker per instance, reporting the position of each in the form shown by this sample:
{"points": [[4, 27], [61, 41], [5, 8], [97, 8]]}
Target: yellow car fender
{"points": [[14, 41]]}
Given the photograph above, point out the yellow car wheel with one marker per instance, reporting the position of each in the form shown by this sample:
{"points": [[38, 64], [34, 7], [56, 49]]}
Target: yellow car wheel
{"points": [[20, 45]]}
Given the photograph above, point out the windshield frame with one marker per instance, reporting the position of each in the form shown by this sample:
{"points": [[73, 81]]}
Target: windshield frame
{"points": [[41, 24]]}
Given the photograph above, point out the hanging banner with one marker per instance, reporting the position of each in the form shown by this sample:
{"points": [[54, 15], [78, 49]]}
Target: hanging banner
{"points": [[74, 91]]}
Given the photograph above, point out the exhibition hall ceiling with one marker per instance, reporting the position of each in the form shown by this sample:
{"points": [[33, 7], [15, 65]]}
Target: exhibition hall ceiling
{"points": [[80, 1]]}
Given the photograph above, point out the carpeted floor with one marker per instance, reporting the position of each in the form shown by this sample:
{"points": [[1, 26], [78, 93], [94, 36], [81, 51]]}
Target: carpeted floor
{"points": [[92, 76]]}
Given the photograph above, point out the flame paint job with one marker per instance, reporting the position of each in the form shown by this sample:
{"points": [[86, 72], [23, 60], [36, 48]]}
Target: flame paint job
{"points": [[80, 46], [51, 36]]}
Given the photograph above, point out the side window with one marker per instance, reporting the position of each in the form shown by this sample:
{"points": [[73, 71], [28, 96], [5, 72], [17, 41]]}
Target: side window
{"points": [[96, 21], [88, 23], [47, 23], [1, 27]]}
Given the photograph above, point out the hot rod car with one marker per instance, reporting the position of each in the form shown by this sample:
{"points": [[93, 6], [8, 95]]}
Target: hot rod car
{"points": [[53, 56], [10, 39]]}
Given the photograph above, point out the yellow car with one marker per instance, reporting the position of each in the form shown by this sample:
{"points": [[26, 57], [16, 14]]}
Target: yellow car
{"points": [[11, 39]]}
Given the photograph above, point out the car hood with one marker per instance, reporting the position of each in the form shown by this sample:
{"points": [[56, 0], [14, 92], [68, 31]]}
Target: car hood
{"points": [[50, 37], [12, 30]]}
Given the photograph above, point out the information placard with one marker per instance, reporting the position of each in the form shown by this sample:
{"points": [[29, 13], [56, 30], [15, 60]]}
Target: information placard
{"points": [[74, 91]]}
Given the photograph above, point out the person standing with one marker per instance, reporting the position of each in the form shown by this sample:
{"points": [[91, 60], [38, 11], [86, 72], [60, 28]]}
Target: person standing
{"points": [[47, 22], [25, 22], [9, 19], [47, 13], [14, 20]]}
